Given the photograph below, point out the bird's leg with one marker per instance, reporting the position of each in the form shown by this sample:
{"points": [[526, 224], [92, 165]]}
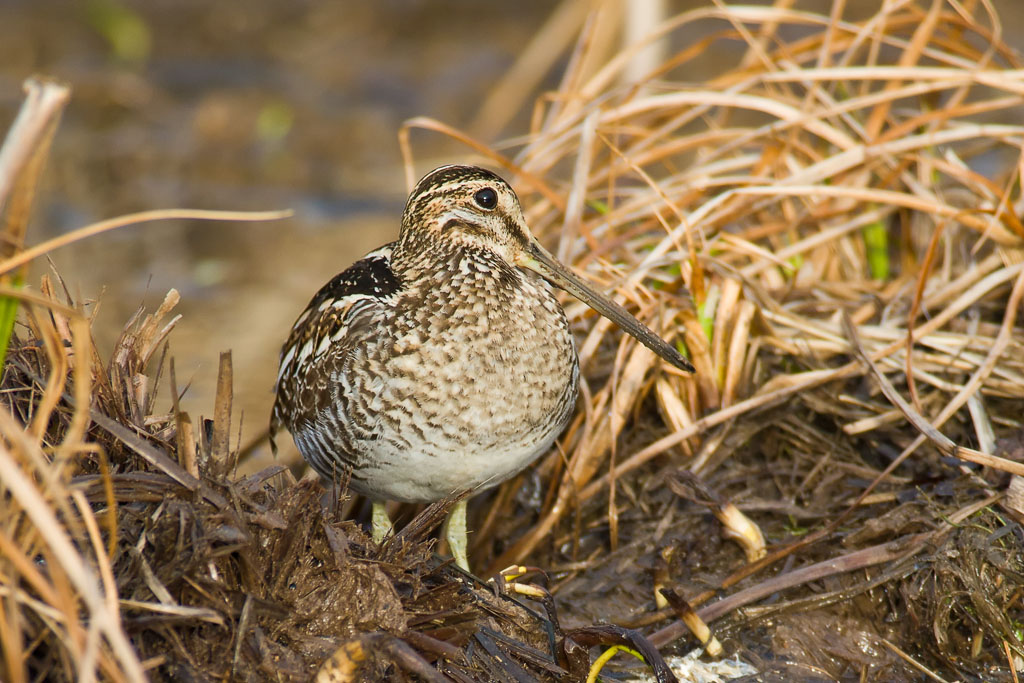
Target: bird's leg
{"points": [[455, 533], [381, 523]]}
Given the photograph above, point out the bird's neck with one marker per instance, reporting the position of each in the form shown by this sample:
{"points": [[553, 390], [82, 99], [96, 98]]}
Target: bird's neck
{"points": [[462, 265]]}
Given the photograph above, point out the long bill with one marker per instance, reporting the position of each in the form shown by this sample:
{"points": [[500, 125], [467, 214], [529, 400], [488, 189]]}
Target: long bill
{"points": [[537, 259]]}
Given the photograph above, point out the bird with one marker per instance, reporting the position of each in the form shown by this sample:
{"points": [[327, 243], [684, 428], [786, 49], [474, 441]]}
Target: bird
{"points": [[440, 363]]}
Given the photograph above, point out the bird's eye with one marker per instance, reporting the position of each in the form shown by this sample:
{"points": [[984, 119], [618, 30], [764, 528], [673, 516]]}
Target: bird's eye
{"points": [[486, 198]]}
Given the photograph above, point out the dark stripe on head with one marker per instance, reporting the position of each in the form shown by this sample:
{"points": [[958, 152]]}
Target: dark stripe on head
{"points": [[514, 230], [442, 183], [455, 174], [448, 181]]}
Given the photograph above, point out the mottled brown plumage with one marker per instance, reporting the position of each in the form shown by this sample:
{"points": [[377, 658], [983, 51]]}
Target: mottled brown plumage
{"points": [[441, 362]]}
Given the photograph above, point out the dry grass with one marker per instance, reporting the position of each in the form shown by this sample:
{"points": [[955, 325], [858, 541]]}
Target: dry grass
{"points": [[830, 226], [866, 171]]}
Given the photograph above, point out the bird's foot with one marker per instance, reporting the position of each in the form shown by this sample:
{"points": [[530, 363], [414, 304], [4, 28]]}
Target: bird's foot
{"points": [[381, 523], [455, 533]]}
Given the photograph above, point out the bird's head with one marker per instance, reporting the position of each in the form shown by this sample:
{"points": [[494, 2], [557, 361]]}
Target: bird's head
{"points": [[467, 206], [475, 209]]}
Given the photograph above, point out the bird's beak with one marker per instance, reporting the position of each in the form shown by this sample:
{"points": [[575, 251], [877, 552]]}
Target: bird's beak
{"points": [[536, 258]]}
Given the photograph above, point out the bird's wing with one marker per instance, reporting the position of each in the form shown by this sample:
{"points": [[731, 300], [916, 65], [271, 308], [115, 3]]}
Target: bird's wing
{"points": [[324, 335]]}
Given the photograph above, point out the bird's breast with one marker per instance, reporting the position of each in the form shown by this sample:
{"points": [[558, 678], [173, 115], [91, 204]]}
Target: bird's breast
{"points": [[480, 363]]}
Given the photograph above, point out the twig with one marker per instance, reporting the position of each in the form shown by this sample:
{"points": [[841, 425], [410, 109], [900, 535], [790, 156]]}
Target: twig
{"points": [[131, 219]]}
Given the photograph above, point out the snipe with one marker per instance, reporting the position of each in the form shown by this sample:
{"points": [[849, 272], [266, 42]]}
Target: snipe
{"points": [[441, 362]]}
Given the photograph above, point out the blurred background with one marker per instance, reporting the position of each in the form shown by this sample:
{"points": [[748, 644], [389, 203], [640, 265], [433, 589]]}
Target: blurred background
{"points": [[265, 105]]}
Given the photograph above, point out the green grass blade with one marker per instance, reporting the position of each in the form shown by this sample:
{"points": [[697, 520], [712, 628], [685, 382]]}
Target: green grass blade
{"points": [[876, 242], [8, 314]]}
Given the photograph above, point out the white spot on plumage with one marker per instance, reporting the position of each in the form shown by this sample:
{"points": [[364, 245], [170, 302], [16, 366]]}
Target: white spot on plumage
{"points": [[286, 362], [325, 344], [304, 352]]}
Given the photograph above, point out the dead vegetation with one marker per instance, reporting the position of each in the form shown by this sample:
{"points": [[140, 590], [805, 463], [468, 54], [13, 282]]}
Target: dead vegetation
{"points": [[831, 226]]}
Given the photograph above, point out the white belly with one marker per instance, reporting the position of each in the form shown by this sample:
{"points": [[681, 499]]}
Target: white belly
{"points": [[467, 401]]}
